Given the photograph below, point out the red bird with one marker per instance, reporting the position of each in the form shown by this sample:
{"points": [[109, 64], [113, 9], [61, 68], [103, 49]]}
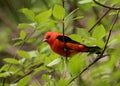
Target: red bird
{"points": [[67, 47]]}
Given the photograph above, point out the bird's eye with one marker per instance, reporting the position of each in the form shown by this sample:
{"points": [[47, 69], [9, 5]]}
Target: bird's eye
{"points": [[48, 37]]}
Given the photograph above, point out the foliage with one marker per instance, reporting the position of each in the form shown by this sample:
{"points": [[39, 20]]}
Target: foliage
{"points": [[42, 67]]}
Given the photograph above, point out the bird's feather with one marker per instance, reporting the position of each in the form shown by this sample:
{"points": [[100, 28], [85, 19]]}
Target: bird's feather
{"points": [[66, 39]]}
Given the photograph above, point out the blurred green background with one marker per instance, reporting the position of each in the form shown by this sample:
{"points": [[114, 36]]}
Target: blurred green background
{"points": [[80, 16]]}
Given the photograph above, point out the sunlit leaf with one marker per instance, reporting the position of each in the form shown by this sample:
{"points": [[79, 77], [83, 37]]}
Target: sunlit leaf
{"points": [[84, 1], [54, 62], [112, 13], [24, 81], [23, 25], [115, 75], [99, 43], [33, 53], [26, 25], [61, 82], [22, 34], [18, 43], [29, 13], [115, 1], [58, 12], [83, 32], [76, 63], [13, 84], [4, 67], [41, 17], [45, 77], [99, 32], [113, 41], [11, 60], [70, 14], [45, 49], [76, 37], [78, 17], [30, 40], [23, 54], [5, 74]]}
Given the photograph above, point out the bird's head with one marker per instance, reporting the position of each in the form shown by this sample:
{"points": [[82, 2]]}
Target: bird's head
{"points": [[50, 37]]}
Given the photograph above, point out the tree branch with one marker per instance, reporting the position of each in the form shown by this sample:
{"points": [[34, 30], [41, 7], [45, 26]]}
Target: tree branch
{"points": [[15, 56], [63, 31], [101, 55], [99, 19], [30, 72], [112, 8], [109, 9]]}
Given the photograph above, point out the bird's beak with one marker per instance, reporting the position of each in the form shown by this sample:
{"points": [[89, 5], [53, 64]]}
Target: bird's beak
{"points": [[44, 40]]}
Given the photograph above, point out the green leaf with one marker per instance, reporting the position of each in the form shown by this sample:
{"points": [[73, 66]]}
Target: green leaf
{"points": [[26, 25], [113, 41], [24, 81], [43, 16], [54, 62], [23, 25], [78, 17], [5, 74], [76, 64], [30, 40], [113, 13], [99, 42], [115, 1], [58, 12], [83, 32], [11, 60], [45, 49], [61, 82], [33, 53], [18, 43], [71, 13], [23, 54], [99, 32], [45, 77], [76, 37], [13, 84], [4, 67], [29, 13], [84, 1], [22, 34], [115, 75]]}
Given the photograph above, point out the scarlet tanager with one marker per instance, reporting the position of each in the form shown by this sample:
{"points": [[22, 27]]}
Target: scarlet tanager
{"points": [[67, 47]]}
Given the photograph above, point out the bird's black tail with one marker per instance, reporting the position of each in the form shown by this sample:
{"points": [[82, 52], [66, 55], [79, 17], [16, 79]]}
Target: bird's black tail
{"points": [[95, 49]]}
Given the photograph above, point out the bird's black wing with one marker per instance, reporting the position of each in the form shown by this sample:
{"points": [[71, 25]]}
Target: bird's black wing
{"points": [[67, 39]]}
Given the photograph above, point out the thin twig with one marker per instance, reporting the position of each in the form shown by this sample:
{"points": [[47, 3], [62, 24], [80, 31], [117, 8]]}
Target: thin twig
{"points": [[30, 72], [112, 8], [111, 28], [109, 9], [99, 19], [63, 31], [101, 55], [15, 56]]}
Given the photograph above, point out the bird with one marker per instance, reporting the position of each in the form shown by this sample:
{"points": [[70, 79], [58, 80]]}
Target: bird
{"points": [[67, 47]]}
